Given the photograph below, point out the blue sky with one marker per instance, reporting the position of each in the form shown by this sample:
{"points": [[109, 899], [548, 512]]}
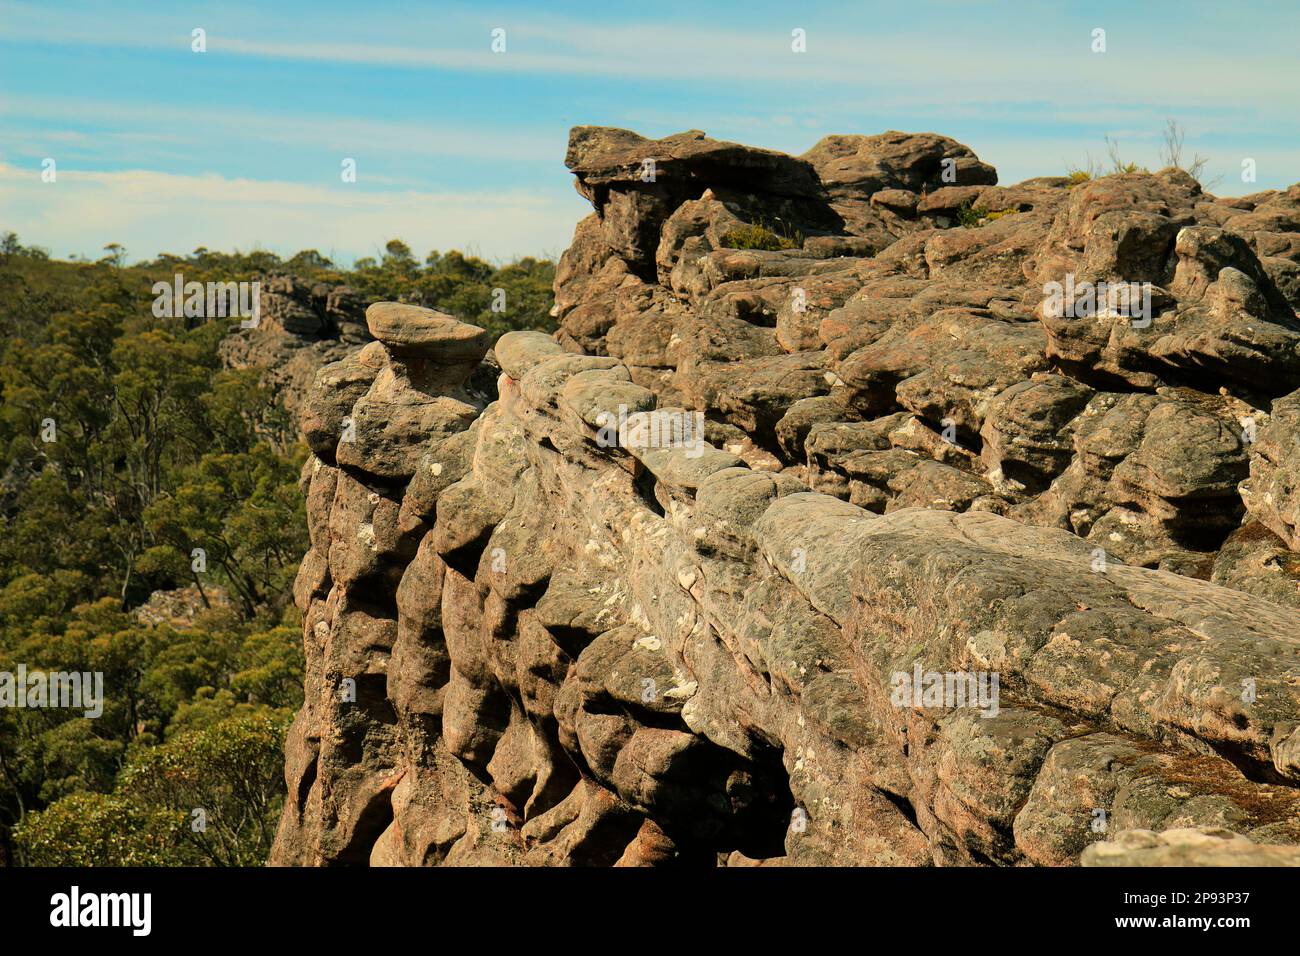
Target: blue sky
{"points": [[164, 149]]}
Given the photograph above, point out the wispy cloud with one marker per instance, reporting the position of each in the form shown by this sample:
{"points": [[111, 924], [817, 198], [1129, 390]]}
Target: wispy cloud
{"points": [[414, 93], [1033, 51], [345, 135]]}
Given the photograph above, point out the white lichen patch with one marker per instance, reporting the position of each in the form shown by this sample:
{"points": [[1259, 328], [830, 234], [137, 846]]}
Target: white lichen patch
{"points": [[683, 691], [366, 535]]}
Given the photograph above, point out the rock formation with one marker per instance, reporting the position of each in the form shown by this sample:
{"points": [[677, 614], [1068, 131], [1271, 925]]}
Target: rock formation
{"points": [[889, 539], [301, 327]]}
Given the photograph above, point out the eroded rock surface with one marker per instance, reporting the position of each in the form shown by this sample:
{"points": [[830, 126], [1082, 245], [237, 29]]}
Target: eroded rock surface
{"points": [[860, 551], [300, 327]]}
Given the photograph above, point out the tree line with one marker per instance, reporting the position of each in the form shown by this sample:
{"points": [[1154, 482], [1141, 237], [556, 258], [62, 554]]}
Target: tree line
{"points": [[133, 463]]}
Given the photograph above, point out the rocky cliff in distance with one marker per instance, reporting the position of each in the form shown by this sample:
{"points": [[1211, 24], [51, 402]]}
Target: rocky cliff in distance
{"points": [[301, 327], [540, 633]]}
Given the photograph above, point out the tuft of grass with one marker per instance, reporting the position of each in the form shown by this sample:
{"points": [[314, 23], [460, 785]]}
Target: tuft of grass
{"points": [[1118, 165], [1171, 155], [759, 236], [972, 217], [1078, 175]]}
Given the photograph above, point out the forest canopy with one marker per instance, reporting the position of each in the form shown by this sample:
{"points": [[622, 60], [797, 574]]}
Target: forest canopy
{"points": [[129, 450]]}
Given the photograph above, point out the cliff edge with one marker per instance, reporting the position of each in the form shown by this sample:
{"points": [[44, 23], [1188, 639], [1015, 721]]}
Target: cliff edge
{"points": [[862, 511]]}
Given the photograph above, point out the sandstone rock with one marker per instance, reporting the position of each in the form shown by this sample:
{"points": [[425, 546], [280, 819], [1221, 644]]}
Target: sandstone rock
{"points": [[942, 578], [601, 156], [1024, 430], [1189, 846], [335, 390], [1255, 560], [856, 167], [518, 352], [394, 421], [1272, 492], [416, 332]]}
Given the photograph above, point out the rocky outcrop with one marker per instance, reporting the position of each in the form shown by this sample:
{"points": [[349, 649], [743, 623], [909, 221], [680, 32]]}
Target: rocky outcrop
{"points": [[854, 552], [180, 608], [301, 326]]}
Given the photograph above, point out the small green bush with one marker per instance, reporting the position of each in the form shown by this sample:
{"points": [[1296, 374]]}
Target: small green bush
{"points": [[969, 216], [974, 216], [759, 237]]}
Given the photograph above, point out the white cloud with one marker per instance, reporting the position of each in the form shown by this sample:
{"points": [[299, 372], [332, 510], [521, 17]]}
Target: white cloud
{"points": [[84, 210]]}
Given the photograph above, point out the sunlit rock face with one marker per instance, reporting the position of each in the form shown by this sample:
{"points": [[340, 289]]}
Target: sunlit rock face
{"points": [[850, 517]]}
